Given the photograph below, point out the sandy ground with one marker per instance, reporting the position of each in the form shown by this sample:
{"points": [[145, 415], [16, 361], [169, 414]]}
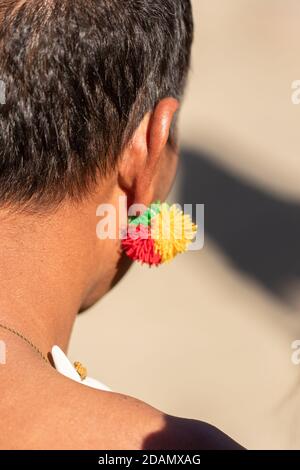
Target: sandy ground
{"points": [[208, 337]]}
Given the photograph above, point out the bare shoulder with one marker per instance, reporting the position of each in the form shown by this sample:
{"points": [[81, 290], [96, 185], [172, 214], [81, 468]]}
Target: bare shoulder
{"points": [[57, 413], [79, 417]]}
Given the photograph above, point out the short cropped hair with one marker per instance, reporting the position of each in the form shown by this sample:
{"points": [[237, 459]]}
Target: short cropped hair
{"points": [[79, 76]]}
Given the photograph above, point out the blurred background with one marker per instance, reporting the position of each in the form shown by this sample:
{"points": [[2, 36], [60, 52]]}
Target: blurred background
{"points": [[209, 336]]}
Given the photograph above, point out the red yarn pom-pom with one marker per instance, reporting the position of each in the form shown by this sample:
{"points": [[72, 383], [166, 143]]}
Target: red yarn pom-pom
{"points": [[139, 246]]}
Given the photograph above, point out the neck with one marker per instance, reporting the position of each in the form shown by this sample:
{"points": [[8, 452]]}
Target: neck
{"points": [[42, 277]]}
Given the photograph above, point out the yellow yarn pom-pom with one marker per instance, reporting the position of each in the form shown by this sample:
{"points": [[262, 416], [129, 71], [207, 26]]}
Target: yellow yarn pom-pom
{"points": [[172, 232]]}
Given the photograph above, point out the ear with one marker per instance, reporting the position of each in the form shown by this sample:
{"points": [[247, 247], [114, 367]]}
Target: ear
{"points": [[142, 159]]}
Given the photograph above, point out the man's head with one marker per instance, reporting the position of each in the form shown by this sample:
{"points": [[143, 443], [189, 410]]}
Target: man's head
{"points": [[92, 90]]}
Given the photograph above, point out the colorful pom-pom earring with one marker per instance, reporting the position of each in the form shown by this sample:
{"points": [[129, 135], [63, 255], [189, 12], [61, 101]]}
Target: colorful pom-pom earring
{"points": [[159, 234]]}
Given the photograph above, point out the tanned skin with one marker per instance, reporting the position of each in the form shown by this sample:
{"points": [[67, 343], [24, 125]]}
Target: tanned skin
{"points": [[52, 265]]}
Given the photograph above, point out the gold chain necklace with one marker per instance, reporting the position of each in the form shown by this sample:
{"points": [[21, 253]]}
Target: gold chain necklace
{"points": [[81, 370], [15, 332]]}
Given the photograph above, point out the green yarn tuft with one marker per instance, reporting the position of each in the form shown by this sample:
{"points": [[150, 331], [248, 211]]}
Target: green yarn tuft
{"points": [[147, 216]]}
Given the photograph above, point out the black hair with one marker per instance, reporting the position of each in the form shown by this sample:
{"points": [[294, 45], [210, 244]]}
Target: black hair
{"points": [[79, 76]]}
